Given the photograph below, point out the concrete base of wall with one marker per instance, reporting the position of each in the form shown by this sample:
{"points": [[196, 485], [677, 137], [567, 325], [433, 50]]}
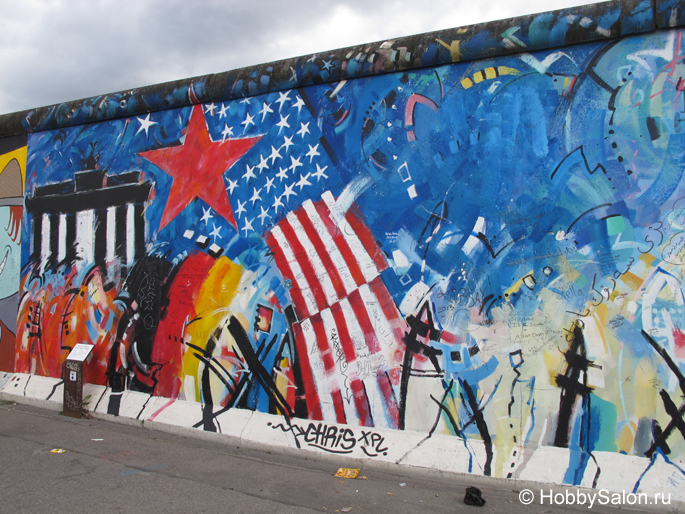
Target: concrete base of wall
{"points": [[382, 448]]}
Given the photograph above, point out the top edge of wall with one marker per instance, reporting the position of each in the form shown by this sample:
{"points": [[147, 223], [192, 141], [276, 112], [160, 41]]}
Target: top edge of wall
{"points": [[587, 23]]}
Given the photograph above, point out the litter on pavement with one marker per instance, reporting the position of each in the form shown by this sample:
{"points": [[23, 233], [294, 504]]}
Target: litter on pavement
{"points": [[347, 473], [473, 497]]}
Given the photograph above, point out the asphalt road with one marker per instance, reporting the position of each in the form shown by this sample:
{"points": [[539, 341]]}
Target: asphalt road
{"points": [[108, 467]]}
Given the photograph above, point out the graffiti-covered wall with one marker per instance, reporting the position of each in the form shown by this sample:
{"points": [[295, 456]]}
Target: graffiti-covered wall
{"points": [[492, 250], [12, 172]]}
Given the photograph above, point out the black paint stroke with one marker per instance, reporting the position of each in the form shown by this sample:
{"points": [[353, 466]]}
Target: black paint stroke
{"points": [[585, 161], [667, 359], [568, 230], [516, 379], [443, 408], [477, 416], [576, 365], [675, 413], [288, 341], [255, 365], [434, 221], [207, 399], [585, 438], [488, 245], [428, 331]]}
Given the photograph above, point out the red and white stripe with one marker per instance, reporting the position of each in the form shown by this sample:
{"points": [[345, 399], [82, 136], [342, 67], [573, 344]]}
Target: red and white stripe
{"points": [[349, 331]]}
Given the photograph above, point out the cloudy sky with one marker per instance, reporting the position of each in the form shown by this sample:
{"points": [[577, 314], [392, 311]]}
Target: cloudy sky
{"points": [[57, 50]]}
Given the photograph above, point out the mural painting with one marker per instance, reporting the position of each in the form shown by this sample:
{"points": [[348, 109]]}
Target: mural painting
{"points": [[490, 250], [12, 171]]}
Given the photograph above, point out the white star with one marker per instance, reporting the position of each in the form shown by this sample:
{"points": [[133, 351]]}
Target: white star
{"points": [[287, 142], [327, 65], [282, 98], [222, 111], [275, 154], [264, 214], [216, 232], [299, 104], [266, 109], [145, 124], [232, 185], [255, 195], [283, 173], [249, 173], [295, 163], [269, 183], [283, 123], [248, 120], [303, 181], [277, 204], [320, 172], [241, 208], [245, 101], [293, 78], [210, 108], [207, 215], [304, 129], [248, 225], [312, 152], [289, 191], [228, 131], [262, 164]]}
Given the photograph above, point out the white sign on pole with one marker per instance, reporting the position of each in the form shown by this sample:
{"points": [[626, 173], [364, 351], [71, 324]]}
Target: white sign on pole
{"points": [[80, 352]]}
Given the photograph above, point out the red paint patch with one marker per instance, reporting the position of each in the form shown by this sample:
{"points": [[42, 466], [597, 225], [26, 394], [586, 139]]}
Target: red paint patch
{"points": [[679, 339], [169, 344]]}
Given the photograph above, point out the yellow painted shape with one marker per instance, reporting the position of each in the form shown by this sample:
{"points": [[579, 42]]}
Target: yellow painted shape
{"points": [[645, 390], [625, 439], [467, 83], [614, 295], [553, 365], [478, 77], [632, 280], [647, 258], [452, 47], [282, 381], [490, 73], [518, 284], [211, 304], [20, 155], [506, 70]]}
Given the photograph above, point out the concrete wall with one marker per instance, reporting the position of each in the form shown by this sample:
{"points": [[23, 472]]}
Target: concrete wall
{"points": [[12, 173], [482, 256]]}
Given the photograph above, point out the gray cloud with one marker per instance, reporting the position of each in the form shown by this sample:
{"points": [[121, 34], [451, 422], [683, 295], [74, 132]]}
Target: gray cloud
{"points": [[68, 49]]}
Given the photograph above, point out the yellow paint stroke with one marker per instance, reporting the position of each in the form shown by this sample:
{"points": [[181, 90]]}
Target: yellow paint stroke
{"points": [[553, 363], [513, 288], [626, 439], [645, 390], [647, 258], [211, 304], [282, 381], [487, 74], [452, 47], [631, 280]]}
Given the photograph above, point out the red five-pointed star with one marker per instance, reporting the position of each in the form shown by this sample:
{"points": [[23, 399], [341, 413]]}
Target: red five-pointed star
{"points": [[197, 167]]}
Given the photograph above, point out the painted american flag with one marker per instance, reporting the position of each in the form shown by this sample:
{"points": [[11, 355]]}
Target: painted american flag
{"points": [[287, 166], [349, 331]]}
